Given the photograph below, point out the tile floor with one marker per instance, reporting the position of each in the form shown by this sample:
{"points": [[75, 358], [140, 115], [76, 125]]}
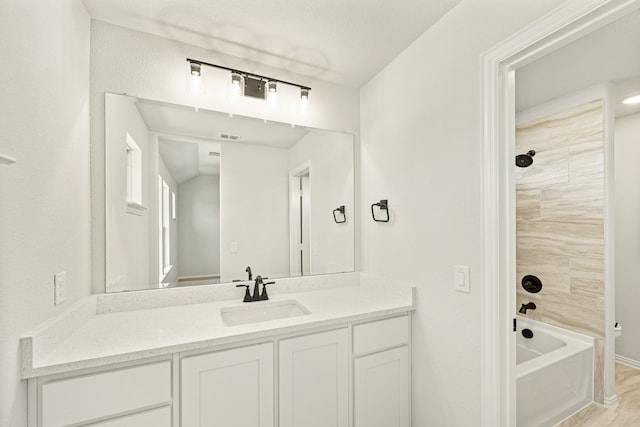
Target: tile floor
{"points": [[626, 414]]}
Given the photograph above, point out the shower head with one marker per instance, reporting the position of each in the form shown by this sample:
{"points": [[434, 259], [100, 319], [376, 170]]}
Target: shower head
{"points": [[525, 160]]}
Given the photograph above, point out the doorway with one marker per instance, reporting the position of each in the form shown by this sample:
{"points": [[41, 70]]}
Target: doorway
{"points": [[299, 221], [568, 23]]}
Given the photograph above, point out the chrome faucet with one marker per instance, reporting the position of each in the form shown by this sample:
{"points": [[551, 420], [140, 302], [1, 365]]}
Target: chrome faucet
{"points": [[257, 296], [525, 307]]}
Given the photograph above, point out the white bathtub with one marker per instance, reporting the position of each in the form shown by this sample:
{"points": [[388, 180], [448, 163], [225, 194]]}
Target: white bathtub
{"points": [[554, 374]]}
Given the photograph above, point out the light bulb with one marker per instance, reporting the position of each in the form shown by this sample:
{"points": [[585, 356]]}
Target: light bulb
{"points": [[236, 83], [195, 69]]}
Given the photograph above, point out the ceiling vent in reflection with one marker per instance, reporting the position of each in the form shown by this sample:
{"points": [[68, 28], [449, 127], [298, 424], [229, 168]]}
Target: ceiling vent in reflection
{"points": [[214, 154], [229, 137]]}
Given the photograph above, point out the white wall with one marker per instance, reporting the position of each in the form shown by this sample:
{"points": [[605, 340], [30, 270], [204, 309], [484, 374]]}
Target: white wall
{"points": [[421, 144], [155, 68], [330, 158], [44, 197], [198, 223], [627, 219], [129, 234], [254, 189]]}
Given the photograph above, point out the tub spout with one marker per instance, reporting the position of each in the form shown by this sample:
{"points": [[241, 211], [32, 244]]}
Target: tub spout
{"points": [[525, 307]]}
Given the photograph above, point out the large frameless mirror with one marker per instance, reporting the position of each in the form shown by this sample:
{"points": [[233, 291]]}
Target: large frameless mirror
{"points": [[202, 197]]}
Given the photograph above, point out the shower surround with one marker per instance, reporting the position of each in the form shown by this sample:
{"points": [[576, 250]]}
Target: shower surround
{"points": [[560, 223]]}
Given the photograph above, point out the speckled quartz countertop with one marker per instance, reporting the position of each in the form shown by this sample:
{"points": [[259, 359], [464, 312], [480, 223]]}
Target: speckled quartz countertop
{"points": [[113, 328]]}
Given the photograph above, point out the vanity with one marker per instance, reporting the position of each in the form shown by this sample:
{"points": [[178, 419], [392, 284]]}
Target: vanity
{"points": [[327, 350], [196, 202]]}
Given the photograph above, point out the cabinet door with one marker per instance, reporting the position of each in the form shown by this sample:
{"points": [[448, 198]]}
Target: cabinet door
{"points": [[314, 380], [232, 388], [381, 389]]}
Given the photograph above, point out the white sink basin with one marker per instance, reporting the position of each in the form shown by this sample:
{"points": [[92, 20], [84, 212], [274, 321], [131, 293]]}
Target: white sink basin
{"points": [[262, 311]]}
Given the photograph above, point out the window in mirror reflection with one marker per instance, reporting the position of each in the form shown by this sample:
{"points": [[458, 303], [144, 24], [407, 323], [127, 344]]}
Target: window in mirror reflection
{"points": [[134, 172], [173, 205], [165, 234]]}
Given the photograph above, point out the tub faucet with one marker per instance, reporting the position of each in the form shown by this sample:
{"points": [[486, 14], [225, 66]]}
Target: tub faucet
{"points": [[525, 307]]}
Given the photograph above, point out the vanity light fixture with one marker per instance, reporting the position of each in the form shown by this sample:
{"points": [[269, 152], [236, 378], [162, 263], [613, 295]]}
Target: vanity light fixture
{"points": [[195, 69], [635, 99], [249, 84]]}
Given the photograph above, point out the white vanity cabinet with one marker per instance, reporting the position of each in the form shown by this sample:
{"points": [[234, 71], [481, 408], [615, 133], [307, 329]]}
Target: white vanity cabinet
{"points": [[314, 380], [343, 375], [231, 388], [113, 398], [381, 380]]}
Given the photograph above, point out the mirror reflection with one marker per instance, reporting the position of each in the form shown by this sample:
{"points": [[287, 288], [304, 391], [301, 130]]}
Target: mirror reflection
{"points": [[202, 197]]}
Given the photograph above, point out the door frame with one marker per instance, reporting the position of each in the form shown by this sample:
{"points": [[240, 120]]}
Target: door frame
{"points": [[294, 207], [570, 21]]}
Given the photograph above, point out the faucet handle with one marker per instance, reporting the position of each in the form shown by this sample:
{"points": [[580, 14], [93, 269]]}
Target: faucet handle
{"points": [[247, 294], [264, 295]]}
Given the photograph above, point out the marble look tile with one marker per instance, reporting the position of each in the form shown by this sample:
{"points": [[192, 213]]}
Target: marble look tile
{"points": [[586, 162], [627, 413], [587, 278], [587, 268], [549, 167], [558, 238], [581, 201], [575, 125], [574, 312], [598, 370], [528, 204], [553, 271]]}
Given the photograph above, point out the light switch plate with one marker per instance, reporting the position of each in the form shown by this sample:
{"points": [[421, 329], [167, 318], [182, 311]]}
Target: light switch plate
{"points": [[60, 288], [234, 247], [461, 278]]}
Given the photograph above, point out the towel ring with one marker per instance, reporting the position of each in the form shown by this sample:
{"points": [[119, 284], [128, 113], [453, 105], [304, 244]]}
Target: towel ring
{"points": [[384, 206], [340, 210]]}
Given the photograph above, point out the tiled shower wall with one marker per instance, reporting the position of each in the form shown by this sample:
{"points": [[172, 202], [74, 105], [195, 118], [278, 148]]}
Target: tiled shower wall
{"points": [[560, 222]]}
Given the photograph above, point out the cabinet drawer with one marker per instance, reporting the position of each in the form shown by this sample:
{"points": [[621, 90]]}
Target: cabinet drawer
{"points": [[160, 417], [85, 398], [380, 334]]}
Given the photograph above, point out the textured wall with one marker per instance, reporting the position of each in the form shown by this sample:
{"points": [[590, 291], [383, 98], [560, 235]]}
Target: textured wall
{"points": [[198, 222], [420, 150], [627, 217], [560, 222], [44, 197]]}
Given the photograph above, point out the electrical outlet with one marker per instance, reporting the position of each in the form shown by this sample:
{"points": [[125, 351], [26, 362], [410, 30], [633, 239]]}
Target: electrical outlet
{"points": [[60, 288]]}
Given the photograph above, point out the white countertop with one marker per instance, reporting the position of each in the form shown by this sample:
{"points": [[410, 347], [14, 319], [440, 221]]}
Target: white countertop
{"points": [[96, 338]]}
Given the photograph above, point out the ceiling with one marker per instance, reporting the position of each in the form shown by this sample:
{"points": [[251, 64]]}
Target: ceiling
{"points": [[187, 137], [343, 41], [611, 53]]}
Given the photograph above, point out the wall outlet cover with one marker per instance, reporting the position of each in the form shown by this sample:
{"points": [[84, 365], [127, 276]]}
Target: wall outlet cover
{"points": [[461, 278], [60, 288]]}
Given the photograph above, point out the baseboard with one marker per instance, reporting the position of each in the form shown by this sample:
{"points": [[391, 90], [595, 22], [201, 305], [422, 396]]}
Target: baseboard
{"points": [[626, 361], [611, 401]]}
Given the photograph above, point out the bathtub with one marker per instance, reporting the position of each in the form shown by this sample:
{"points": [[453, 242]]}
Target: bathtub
{"points": [[554, 374]]}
